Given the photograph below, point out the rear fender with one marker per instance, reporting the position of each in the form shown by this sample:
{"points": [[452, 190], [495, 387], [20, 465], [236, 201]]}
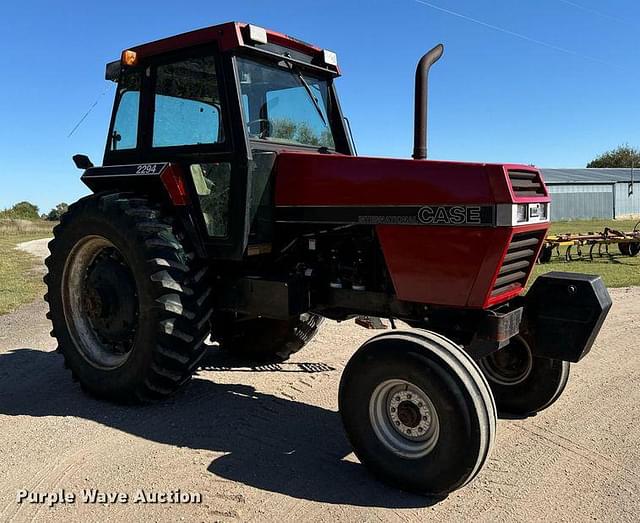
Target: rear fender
{"points": [[160, 181], [145, 178]]}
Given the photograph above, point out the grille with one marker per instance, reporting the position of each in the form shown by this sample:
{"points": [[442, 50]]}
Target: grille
{"points": [[526, 183], [517, 262]]}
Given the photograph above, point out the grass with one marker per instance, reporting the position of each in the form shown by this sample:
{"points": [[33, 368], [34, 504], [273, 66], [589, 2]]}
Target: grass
{"points": [[616, 270], [20, 276]]}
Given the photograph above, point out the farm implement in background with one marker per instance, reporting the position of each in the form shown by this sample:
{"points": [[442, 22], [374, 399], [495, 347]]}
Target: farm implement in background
{"points": [[591, 244]]}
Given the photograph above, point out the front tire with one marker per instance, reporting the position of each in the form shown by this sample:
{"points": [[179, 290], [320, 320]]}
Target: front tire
{"points": [[129, 302], [418, 411], [524, 384]]}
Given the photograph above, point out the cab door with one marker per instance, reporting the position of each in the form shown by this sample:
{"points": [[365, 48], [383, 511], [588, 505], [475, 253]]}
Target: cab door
{"points": [[189, 122]]}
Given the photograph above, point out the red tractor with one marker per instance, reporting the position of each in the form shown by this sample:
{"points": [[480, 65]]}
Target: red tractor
{"points": [[231, 205]]}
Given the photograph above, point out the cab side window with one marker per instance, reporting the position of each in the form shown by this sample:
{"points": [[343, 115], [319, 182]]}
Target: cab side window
{"points": [[125, 126], [187, 109]]}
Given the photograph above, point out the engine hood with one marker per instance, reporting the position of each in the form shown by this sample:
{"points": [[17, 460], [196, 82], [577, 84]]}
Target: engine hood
{"points": [[310, 179]]}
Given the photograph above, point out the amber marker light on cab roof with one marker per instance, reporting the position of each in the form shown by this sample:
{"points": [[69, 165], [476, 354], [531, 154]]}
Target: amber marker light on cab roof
{"points": [[129, 58]]}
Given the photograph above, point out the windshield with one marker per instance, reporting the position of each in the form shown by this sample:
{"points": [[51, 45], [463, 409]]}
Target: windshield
{"points": [[282, 104]]}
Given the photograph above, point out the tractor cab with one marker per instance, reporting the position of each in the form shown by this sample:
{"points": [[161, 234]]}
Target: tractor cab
{"points": [[219, 104]]}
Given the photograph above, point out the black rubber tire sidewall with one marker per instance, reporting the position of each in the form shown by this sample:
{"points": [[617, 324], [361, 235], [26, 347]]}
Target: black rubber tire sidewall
{"points": [[145, 338], [263, 339], [539, 390], [447, 466], [173, 320]]}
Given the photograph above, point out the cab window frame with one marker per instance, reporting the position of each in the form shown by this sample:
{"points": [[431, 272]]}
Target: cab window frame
{"points": [[122, 156], [225, 146], [122, 92], [342, 144]]}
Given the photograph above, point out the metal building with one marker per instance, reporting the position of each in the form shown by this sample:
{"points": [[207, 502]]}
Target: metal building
{"points": [[593, 193]]}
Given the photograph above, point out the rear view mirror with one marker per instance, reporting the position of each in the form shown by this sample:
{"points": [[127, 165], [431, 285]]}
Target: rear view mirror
{"points": [[82, 161], [112, 71]]}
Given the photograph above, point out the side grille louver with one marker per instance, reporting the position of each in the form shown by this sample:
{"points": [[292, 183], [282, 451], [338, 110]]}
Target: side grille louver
{"points": [[526, 183], [517, 262]]}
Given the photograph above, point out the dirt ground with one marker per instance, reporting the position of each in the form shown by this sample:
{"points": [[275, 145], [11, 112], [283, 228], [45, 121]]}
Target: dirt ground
{"points": [[36, 248], [266, 443]]}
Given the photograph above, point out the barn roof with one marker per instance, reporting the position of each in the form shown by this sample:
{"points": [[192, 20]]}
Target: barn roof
{"points": [[589, 175]]}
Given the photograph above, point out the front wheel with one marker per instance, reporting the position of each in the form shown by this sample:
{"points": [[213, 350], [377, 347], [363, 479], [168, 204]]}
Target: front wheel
{"points": [[418, 411], [524, 384]]}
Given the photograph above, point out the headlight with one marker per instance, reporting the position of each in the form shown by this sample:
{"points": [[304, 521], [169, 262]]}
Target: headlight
{"points": [[522, 212]]}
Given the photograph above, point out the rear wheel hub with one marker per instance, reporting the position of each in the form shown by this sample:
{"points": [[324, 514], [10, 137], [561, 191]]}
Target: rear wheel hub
{"points": [[100, 302]]}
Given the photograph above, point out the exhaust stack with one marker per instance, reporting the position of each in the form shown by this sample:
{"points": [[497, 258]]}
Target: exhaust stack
{"points": [[420, 116]]}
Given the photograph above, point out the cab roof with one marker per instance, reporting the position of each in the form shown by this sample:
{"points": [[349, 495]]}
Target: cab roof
{"points": [[228, 36]]}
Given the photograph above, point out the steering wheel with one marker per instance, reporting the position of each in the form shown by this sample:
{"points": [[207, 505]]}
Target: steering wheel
{"points": [[260, 121]]}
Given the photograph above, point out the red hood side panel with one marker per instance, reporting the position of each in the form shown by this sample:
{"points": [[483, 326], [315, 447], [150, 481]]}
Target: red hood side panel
{"points": [[439, 265], [452, 265]]}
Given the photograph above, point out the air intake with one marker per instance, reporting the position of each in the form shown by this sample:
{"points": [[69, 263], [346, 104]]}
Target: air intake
{"points": [[517, 262], [526, 184]]}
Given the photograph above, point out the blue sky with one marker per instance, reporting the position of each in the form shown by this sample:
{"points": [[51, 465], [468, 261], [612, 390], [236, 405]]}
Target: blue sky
{"points": [[555, 98]]}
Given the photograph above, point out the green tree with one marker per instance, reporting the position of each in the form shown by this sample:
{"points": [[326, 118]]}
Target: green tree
{"points": [[307, 135], [57, 211], [283, 128], [22, 211], [621, 156]]}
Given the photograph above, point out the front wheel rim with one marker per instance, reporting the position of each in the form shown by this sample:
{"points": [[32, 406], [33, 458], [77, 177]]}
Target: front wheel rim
{"points": [[510, 365], [404, 418], [85, 308]]}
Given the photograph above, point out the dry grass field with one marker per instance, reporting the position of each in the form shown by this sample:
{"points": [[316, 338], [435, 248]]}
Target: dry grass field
{"points": [[20, 273]]}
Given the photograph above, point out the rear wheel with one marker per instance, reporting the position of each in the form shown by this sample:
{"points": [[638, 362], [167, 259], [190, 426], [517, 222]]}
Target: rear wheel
{"points": [[265, 339], [418, 411], [128, 301], [524, 384]]}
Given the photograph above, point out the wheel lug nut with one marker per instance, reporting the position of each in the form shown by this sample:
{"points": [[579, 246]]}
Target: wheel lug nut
{"points": [[397, 398], [397, 423], [408, 396], [393, 409]]}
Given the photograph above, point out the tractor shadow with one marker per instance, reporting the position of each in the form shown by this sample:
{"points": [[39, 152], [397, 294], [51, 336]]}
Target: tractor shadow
{"points": [[271, 443], [221, 361]]}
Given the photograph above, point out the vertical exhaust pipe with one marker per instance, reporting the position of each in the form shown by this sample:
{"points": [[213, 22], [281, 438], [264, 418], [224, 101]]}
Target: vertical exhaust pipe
{"points": [[420, 115]]}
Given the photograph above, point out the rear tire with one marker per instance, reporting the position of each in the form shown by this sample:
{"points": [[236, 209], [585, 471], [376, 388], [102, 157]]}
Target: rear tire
{"points": [[129, 302], [524, 384], [418, 411], [264, 339]]}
